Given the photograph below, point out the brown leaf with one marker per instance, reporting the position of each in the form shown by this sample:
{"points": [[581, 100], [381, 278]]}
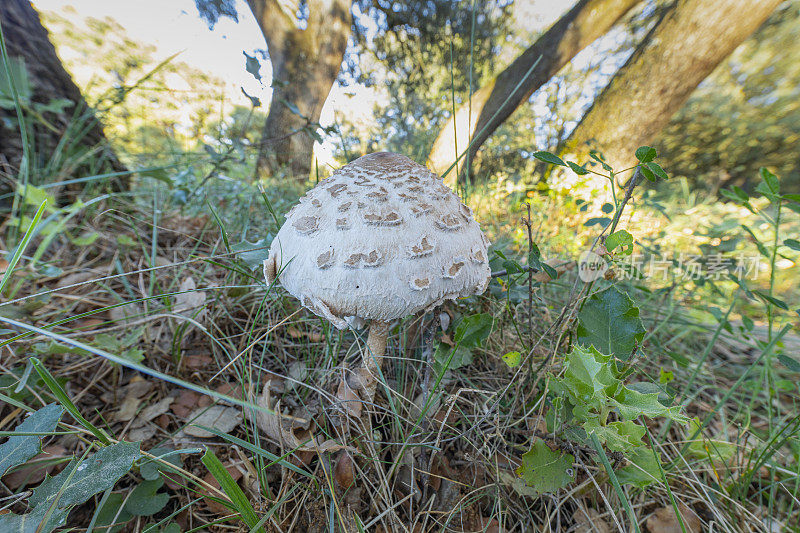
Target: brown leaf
{"points": [[34, 470], [288, 431], [197, 362], [665, 521], [589, 521], [127, 409], [344, 472], [185, 403], [219, 417], [349, 398]]}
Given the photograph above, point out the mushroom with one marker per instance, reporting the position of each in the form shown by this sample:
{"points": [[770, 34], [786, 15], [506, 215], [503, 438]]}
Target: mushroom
{"points": [[409, 245]]}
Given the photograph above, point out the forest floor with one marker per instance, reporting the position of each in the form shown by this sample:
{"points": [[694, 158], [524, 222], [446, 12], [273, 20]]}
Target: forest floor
{"points": [[200, 336]]}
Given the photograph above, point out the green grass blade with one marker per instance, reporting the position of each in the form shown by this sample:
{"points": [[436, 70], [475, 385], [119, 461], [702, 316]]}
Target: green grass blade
{"points": [[64, 399], [22, 245], [601, 453], [230, 488]]}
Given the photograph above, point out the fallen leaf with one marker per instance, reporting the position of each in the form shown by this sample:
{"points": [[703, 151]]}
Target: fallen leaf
{"points": [[152, 411], [349, 399], [189, 299], [127, 409], [288, 431], [185, 403], [589, 521], [196, 362], [77, 277], [665, 521], [344, 472], [218, 417]]}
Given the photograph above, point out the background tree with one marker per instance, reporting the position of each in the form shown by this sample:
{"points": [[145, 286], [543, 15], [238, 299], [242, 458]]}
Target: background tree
{"points": [[306, 45], [494, 102], [678, 53], [64, 137]]}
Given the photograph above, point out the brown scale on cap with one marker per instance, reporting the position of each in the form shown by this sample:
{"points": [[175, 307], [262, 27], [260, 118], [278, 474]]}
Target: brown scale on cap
{"points": [[392, 218], [381, 195], [343, 223], [368, 260], [424, 248], [449, 222], [336, 190], [325, 259], [421, 209], [477, 256], [306, 225], [453, 270], [420, 284], [344, 207]]}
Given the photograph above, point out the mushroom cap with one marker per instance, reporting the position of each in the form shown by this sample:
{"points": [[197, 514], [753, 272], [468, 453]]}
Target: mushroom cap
{"points": [[380, 239]]}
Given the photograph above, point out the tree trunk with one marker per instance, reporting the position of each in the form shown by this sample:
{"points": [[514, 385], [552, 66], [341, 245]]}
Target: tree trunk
{"points": [[305, 64], [83, 145], [678, 53], [495, 102]]}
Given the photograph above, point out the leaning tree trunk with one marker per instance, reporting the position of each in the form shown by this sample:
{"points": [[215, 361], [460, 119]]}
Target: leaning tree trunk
{"points": [[67, 142], [305, 64], [677, 54], [492, 104]]}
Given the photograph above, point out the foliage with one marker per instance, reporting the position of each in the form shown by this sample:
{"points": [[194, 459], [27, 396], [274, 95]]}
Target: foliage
{"points": [[609, 321], [546, 470]]}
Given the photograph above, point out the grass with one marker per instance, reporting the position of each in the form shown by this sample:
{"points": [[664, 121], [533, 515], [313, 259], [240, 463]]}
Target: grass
{"points": [[452, 467]]}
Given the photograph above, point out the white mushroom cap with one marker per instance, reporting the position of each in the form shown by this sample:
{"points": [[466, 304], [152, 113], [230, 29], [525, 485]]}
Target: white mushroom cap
{"points": [[380, 239]]}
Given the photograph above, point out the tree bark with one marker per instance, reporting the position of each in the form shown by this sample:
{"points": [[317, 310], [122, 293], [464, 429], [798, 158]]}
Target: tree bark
{"points": [[75, 128], [492, 104], [305, 64], [678, 53]]}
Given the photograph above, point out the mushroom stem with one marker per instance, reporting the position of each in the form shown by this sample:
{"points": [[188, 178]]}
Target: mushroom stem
{"points": [[373, 357]]}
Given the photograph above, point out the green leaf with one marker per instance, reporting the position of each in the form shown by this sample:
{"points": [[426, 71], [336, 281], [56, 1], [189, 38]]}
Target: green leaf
{"points": [[473, 330], [545, 470], [771, 299], [620, 239], [771, 180], [19, 449], [647, 173], [547, 157], [602, 221], [794, 244], [587, 375], [512, 359], [789, 363], [252, 65], [451, 357], [610, 322], [145, 500], [645, 154], [238, 500], [632, 404], [94, 474], [33, 522], [621, 436], [643, 469], [656, 169], [577, 169], [112, 512]]}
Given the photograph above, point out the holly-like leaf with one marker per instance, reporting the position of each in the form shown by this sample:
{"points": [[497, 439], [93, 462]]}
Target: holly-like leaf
{"points": [[145, 500], [610, 322], [253, 254], [96, 473], [587, 376], [632, 404], [19, 449], [545, 470], [621, 436]]}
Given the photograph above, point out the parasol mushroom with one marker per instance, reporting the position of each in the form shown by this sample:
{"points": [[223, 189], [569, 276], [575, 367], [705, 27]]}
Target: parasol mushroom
{"points": [[380, 239]]}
